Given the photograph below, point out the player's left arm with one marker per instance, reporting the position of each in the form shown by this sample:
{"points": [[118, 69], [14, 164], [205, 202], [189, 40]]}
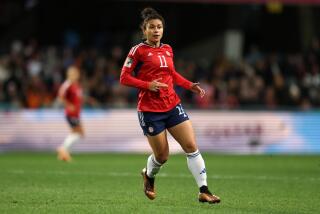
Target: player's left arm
{"points": [[183, 82], [186, 84]]}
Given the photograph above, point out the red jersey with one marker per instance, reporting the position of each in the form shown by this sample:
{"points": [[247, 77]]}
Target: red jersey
{"points": [[144, 64], [72, 93]]}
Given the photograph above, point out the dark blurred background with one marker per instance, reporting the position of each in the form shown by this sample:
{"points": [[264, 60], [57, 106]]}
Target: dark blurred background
{"points": [[247, 56]]}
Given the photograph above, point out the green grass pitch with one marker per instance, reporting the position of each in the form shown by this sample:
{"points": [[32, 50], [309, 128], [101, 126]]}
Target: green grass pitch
{"points": [[111, 183]]}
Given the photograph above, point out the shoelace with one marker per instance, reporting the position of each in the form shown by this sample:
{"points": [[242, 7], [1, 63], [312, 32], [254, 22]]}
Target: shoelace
{"points": [[208, 192]]}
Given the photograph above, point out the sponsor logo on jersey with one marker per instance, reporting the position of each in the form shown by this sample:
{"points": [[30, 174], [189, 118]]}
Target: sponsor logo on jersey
{"points": [[128, 62], [150, 54]]}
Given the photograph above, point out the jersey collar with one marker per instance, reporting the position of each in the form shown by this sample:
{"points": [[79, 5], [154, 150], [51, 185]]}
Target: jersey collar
{"points": [[144, 42]]}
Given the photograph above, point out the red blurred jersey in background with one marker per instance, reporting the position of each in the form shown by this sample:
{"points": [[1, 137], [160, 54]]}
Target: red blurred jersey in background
{"points": [[72, 93]]}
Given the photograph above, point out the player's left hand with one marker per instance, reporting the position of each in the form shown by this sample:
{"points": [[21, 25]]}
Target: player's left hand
{"points": [[197, 89]]}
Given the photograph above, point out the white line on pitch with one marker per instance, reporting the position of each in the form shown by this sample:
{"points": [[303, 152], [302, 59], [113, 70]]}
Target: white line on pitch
{"points": [[165, 175]]}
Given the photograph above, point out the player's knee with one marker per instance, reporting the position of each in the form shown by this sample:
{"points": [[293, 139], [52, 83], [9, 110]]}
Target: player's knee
{"points": [[190, 147], [162, 158], [78, 130], [82, 134]]}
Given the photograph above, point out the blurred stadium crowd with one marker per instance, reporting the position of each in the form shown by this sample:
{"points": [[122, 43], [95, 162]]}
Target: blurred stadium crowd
{"points": [[30, 76]]}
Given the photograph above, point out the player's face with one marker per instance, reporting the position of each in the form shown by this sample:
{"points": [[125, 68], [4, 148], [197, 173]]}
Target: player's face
{"points": [[74, 74], [154, 31]]}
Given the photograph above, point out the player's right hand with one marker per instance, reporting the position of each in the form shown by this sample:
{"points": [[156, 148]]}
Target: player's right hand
{"points": [[155, 85]]}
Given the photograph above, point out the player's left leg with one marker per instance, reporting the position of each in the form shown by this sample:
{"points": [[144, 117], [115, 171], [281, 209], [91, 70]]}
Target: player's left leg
{"points": [[74, 136], [184, 135]]}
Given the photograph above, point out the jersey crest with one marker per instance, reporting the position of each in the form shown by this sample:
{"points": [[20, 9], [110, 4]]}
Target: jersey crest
{"points": [[128, 62]]}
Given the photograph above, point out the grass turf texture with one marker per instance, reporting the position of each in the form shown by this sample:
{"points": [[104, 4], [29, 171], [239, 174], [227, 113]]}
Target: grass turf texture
{"points": [[111, 183]]}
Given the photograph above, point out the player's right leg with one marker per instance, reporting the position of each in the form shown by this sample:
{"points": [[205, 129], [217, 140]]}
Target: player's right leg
{"points": [[154, 129], [76, 133], [160, 148]]}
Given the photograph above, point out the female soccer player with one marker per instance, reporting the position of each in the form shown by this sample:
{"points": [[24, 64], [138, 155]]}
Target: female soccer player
{"points": [[70, 93], [159, 107]]}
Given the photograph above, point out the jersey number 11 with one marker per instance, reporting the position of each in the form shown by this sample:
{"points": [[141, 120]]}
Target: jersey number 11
{"points": [[163, 62]]}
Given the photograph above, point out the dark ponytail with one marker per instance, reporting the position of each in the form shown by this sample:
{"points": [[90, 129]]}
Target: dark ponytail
{"points": [[148, 14]]}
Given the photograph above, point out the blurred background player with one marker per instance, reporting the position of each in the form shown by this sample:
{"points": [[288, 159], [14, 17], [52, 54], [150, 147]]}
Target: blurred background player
{"points": [[159, 107], [70, 93]]}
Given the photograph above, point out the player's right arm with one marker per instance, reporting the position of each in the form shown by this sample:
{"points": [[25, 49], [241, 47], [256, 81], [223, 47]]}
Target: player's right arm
{"points": [[126, 77]]}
